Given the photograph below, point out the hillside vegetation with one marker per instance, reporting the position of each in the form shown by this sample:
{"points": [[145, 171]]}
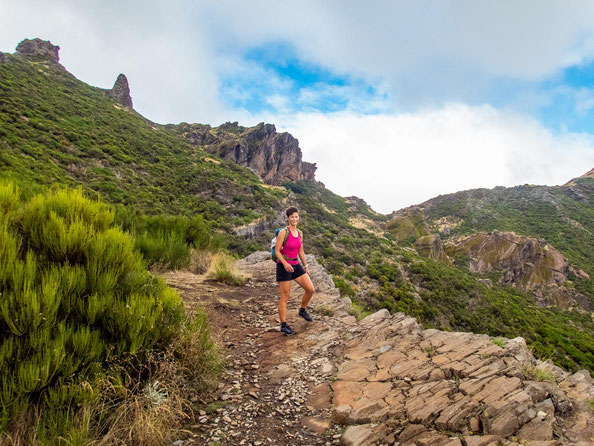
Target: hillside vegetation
{"points": [[174, 197], [55, 129]]}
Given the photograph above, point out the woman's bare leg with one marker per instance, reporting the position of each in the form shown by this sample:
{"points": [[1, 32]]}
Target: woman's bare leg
{"points": [[305, 282], [285, 293]]}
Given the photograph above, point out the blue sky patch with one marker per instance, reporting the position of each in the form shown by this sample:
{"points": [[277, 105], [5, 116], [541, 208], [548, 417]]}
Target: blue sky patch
{"points": [[272, 78], [570, 104]]}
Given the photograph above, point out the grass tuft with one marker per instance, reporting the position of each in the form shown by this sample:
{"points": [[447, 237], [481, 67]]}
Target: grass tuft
{"points": [[499, 341], [537, 372], [222, 269]]}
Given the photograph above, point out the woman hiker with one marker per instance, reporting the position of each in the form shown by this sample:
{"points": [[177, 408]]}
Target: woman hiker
{"points": [[288, 268]]}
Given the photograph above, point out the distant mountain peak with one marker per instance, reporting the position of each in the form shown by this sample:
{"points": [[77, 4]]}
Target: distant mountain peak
{"points": [[38, 47]]}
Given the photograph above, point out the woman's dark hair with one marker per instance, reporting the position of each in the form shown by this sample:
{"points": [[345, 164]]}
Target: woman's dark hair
{"points": [[291, 211]]}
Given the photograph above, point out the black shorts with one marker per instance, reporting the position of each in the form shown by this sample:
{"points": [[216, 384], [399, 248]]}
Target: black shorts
{"points": [[282, 275]]}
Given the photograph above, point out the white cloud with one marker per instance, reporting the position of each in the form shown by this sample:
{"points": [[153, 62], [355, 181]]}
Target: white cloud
{"points": [[423, 53], [427, 52], [170, 67], [396, 161]]}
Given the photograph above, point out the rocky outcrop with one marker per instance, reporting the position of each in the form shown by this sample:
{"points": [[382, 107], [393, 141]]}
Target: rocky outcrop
{"points": [[121, 91], [416, 386], [40, 48], [383, 380], [527, 263], [45, 50], [432, 247], [275, 157], [407, 223]]}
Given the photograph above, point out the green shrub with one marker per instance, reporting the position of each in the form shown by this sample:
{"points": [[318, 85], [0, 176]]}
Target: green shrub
{"points": [[166, 242], [165, 249], [74, 295], [538, 373], [223, 270], [358, 311], [343, 286]]}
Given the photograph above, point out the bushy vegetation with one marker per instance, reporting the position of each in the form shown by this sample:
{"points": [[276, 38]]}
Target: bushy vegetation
{"points": [[76, 302], [167, 242]]}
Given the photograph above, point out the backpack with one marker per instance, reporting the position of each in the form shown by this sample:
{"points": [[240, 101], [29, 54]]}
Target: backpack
{"points": [[273, 243]]}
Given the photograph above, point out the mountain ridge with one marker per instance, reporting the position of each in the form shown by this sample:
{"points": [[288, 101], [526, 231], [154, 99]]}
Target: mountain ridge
{"points": [[56, 130]]}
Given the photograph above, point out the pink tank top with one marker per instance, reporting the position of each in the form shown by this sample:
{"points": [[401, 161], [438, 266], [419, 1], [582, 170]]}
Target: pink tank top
{"points": [[291, 248]]}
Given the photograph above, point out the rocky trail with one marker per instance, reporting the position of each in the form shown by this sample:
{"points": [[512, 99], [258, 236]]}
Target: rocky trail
{"points": [[381, 381]]}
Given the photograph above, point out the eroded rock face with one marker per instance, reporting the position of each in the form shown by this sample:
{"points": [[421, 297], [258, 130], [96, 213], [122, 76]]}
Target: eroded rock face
{"points": [[527, 263], [432, 247], [409, 222], [38, 47], [275, 157], [121, 91]]}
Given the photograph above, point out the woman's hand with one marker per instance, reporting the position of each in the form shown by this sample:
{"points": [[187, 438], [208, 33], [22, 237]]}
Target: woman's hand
{"points": [[289, 267]]}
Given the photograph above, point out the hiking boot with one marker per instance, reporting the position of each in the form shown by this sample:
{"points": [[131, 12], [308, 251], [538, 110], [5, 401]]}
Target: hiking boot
{"points": [[305, 315], [286, 329]]}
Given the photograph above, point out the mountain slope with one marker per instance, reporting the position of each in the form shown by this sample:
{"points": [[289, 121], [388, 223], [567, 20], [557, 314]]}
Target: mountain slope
{"points": [[55, 129], [561, 217]]}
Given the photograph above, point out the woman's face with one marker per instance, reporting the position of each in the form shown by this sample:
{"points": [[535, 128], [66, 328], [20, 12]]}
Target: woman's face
{"points": [[294, 218]]}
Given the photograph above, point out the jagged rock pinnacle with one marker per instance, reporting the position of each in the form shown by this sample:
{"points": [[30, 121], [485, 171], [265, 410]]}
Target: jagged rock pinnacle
{"points": [[121, 91], [38, 47]]}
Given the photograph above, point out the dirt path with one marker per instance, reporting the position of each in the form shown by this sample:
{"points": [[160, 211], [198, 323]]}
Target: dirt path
{"points": [[274, 389], [384, 380]]}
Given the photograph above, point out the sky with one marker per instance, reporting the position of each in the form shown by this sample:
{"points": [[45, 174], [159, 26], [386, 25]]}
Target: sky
{"points": [[395, 101]]}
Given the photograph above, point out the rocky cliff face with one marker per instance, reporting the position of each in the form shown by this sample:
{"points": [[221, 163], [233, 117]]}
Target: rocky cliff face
{"points": [[40, 48], [275, 157], [525, 262], [432, 247], [121, 91]]}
